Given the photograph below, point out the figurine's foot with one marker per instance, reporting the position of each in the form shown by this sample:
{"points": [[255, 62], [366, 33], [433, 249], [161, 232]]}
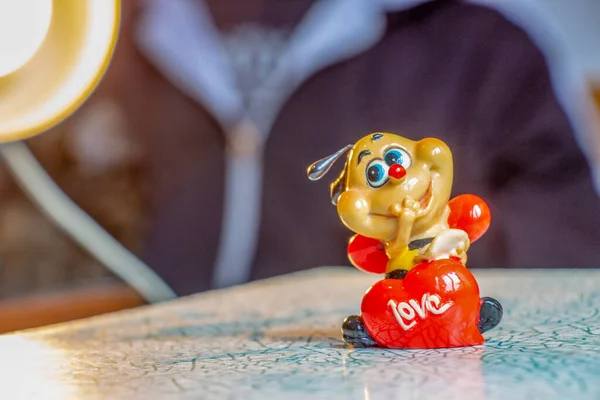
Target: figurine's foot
{"points": [[490, 314], [396, 274], [355, 334]]}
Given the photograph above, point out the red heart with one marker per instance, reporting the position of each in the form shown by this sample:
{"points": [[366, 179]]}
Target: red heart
{"points": [[367, 254], [436, 305], [471, 214]]}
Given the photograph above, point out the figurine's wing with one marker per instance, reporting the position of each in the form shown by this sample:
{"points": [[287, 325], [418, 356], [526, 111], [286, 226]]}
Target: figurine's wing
{"points": [[367, 254], [470, 214]]}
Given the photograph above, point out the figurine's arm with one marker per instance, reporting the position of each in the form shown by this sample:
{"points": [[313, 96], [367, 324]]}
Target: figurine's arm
{"points": [[448, 243], [406, 213]]}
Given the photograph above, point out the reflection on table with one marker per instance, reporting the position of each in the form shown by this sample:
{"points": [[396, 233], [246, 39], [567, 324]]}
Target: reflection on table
{"points": [[280, 339]]}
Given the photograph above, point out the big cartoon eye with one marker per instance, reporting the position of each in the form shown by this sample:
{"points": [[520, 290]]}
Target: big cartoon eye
{"points": [[397, 156], [377, 173]]}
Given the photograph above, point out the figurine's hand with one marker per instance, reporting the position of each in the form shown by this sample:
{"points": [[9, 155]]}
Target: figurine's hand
{"points": [[406, 213], [396, 209], [448, 243], [411, 204], [408, 207]]}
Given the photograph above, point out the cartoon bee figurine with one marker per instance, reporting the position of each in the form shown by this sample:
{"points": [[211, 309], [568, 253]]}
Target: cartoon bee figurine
{"points": [[394, 194]]}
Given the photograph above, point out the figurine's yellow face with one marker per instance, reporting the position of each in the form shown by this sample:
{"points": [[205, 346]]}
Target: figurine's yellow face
{"points": [[374, 183]]}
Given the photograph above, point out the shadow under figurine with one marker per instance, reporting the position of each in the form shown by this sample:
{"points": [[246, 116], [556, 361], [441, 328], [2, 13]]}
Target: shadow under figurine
{"points": [[394, 194]]}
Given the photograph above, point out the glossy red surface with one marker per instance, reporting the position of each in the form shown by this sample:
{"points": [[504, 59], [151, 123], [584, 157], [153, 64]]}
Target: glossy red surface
{"points": [[397, 171], [367, 254], [436, 305], [471, 214]]}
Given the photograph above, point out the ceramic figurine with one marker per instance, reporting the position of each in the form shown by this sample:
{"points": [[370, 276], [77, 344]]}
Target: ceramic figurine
{"points": [[394, 193]]}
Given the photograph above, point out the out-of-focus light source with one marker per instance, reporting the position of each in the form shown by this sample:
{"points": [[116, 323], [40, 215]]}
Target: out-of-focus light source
{"points": [[23, 27], [52, 56]]}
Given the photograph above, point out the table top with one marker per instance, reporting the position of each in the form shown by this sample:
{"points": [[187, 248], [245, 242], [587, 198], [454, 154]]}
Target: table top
{"points": [[280, 338]]}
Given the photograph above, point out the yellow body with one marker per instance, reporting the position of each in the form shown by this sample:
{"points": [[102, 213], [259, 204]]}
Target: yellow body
{"points": [[399, 210], [406, 260]]}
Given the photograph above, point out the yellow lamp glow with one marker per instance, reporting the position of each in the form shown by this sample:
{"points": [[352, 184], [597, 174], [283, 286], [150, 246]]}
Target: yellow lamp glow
{"points": [[23, 27], [52, 56]]}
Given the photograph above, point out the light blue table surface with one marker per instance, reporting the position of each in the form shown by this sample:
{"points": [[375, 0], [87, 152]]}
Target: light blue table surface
{"points": [[279, 339]]}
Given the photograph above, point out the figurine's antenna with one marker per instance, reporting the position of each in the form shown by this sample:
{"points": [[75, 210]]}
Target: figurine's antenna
{"points": [[318, 169]]}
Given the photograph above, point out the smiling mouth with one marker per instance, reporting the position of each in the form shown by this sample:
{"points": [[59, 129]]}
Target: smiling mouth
{"points": [[425, 202], [427, 198]]}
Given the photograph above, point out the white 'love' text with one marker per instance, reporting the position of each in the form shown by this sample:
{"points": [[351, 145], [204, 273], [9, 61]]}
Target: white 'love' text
{"points": [[406, 312]]}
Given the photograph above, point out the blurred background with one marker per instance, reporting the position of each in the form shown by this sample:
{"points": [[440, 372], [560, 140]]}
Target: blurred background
{"points": [[192, 151]]}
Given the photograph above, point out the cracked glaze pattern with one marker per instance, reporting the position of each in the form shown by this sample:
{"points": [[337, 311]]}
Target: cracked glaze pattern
{"points": [[280, 339]]}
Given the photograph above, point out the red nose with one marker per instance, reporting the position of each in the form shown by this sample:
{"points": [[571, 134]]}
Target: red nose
{"points": [[397, 171]]}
